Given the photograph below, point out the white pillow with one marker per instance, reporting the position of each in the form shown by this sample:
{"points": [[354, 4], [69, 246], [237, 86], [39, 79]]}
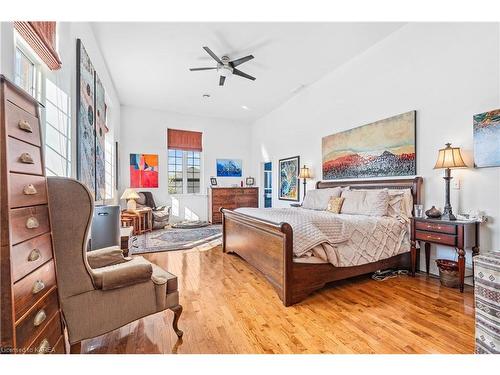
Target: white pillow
{"points": [[318, 199], [365, 202], [400, 203]]}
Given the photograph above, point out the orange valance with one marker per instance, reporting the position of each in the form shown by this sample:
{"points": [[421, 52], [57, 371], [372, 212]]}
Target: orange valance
{"points": [[184, 140]]}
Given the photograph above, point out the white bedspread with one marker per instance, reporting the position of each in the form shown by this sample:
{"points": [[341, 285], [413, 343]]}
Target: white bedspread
{"points": [[342, 240]]}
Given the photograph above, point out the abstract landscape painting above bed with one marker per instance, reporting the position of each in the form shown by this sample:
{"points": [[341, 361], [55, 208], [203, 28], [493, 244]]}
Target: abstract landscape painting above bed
{"points": [[380, 149]]}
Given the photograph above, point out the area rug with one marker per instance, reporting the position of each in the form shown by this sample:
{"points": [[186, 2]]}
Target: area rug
{"points": [[178, 239]]}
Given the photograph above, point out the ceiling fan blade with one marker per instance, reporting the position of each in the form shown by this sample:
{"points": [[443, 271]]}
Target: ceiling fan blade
{"points": [[222, 79], [214, 56], [241, 74], [241, 60], [196, 69]]}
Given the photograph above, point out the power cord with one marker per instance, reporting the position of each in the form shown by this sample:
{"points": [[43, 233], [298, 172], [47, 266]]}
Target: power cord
{"points": [[388, 274]]}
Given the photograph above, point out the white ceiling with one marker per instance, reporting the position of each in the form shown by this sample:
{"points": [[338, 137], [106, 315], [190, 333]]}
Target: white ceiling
{"points": [[149, 62]]}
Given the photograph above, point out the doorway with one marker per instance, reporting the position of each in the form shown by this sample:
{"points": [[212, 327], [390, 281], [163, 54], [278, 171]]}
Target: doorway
{"points": [[268, 185]]}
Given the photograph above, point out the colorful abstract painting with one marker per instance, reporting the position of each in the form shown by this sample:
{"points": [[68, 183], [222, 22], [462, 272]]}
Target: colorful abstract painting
{"points": [[229, 168], [380, 149], [101, 130], [487, 139], [86, 144], [289, 187], [143, 171]]}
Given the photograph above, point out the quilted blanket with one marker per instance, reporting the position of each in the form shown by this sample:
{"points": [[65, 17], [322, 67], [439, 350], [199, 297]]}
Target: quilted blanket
{"points": [[350, 240]]}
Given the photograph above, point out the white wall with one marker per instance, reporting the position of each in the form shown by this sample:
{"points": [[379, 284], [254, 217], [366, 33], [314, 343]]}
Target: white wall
{"points": [[144, 131], [65, 78], [446, 72]]}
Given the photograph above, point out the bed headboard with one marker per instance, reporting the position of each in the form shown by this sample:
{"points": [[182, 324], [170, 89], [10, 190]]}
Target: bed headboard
{"points": [[414, 184]]}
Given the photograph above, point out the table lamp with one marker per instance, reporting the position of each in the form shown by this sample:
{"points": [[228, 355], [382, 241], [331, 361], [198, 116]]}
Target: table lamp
{"points": [[304, 174], [130, 195], [449, 157]]}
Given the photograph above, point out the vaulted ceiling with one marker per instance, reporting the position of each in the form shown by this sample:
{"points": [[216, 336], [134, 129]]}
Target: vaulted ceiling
{"points": [[149, 62]]}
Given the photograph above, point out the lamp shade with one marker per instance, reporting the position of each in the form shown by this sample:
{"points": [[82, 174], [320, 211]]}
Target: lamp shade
{"points": [[130, 194], [450, 157], [304, 172]]}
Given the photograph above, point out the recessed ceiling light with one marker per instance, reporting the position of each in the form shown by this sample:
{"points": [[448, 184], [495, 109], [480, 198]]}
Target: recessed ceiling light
{"points": [[206, 96], [245, 107]]}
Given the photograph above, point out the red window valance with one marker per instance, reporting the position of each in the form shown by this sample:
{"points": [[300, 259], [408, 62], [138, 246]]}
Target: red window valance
{"points": [[184, 140], [41, 36]]}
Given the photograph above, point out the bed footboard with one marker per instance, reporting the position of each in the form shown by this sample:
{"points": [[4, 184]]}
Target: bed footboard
{"points": [[265, 245]]}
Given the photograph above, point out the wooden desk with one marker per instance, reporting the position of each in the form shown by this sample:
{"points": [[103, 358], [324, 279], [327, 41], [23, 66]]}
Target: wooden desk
{"points": [[457, 234]]}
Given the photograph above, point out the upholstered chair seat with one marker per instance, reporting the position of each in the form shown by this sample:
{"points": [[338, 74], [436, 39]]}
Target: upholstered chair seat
{"points": [[161, 214], [100, 290]]}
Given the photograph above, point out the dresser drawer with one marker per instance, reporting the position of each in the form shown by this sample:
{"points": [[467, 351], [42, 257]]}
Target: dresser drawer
{"points": [[246, 201], [439, 238], [32, 288], [19, 98], [436, 227], [27, 190], [46, 342], [250, 192], [28, 328], [24, 158], [22, 125], [29, 255], [28, 223], [59, 348]]}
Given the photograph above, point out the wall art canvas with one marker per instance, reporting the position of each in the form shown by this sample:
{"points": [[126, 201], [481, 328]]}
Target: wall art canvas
{"points": [[143, 171], [289, 186], [100, 145], [229, 168], [487, 139], [86, 119], [380, 149]]}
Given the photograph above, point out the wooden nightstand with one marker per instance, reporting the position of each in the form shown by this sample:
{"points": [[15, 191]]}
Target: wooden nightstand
{"points": [[457, 234]]}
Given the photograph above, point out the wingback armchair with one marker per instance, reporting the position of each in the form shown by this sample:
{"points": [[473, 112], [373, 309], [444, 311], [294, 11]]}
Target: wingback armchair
{"points": [[161, 214], [100, 290]]}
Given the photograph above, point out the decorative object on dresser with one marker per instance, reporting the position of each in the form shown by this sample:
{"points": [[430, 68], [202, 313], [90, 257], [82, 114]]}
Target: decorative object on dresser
{"points": [[289, 184], [487, 295], [161, 214], [30, 313], [250, 181], [213, 181], [433, 213], [304, 174], [100, 290], [381, 149], [268, 246], [229, 168], [230, 198], [454, 233], [486, 139], [449, 157], [130, 195]]}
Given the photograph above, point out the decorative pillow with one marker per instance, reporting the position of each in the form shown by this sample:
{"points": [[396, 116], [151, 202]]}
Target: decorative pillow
{"points": [[318, 199], [335, 204], [365, 202], [400, 203]]}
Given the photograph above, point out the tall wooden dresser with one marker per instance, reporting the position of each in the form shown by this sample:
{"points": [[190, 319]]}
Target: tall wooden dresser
{"points": [[29, 307], [230, 198]]}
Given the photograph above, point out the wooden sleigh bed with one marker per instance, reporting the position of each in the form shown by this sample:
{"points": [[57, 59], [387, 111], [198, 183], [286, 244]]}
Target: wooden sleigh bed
{"points": [[268, 247]]}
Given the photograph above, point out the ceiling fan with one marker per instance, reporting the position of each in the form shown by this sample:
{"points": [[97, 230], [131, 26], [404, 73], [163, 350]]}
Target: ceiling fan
{"points": [[225, 67]]}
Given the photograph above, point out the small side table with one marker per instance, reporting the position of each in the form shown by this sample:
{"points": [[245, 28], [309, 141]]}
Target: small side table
{"points": [[454, 233]]}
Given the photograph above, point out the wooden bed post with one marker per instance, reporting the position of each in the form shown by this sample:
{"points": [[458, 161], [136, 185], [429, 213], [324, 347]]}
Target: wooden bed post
{"points": [[287, 263]]}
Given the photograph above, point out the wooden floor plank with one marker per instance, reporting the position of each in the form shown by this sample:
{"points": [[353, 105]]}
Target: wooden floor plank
{"points": [[230, 308]]}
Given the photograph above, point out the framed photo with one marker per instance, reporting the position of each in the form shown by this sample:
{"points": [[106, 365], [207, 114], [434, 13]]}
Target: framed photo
{"points": [[486, 139], [250, 181], [289, 186], [229, 168], [213, 181]]}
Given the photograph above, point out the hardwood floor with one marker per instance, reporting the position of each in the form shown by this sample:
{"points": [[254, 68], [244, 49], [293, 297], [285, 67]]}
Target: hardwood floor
{"points": [[230, 308]]}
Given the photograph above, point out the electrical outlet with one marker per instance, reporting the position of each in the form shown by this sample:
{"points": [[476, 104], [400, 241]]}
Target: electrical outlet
{"points": [[455, 184]]}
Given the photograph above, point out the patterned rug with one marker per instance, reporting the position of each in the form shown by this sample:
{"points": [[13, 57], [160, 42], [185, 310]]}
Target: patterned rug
{"points": [[178, 239]]}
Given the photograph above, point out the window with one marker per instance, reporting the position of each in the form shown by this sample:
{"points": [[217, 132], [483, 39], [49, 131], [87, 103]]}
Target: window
{"points": [[27, 73], [184, 172]]}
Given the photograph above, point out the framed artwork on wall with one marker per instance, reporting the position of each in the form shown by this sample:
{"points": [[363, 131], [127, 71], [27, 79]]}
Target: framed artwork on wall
{"points": [[229, 168], [487, 139], [379, 149], [289, 186], [143, 171]]}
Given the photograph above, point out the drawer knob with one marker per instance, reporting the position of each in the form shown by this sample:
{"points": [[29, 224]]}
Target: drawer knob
{"points": [[26, 158], [29, 190], [32, 223], [38, 287], [44, 347], [39, 318], [25, 126], [34, 255]]}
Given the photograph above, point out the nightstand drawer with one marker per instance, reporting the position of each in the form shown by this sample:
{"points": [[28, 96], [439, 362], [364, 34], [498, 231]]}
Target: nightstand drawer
{"points": [[436, 227], [439, 238]]}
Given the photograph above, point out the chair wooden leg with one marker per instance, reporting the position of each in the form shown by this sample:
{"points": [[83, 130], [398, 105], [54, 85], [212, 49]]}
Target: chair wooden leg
{"points": [[177, 314], [75, 348]]}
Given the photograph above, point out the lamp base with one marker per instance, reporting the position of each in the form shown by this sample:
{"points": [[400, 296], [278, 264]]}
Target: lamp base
{"points": [[131, 205], [448, 214]]}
